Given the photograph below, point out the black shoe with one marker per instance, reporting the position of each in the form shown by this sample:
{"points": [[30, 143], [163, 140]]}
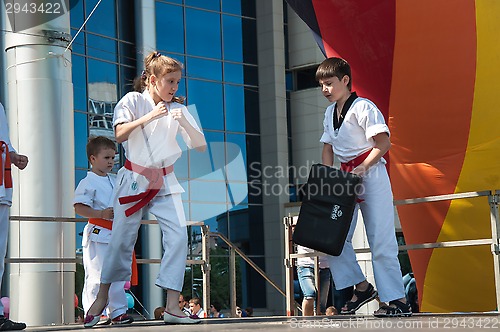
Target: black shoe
{"points": [[8, 325], [361, 299]]}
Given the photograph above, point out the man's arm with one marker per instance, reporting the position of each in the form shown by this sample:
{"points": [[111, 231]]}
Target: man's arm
{"points": [[327, 155]]}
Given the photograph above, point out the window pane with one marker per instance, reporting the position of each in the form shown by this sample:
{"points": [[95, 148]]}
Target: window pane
{"points": [[209, 165], [207, 191], [78, 45], [252, 119], [214, 215], [206, 4], [235, 107], [249, 41], [236, 156], [102, 48], [251, 75], [237, 193], [103, 20], [207, 97], [203, 33], [233, 42], [81, 130], [78, 71], [76, 13], [233, 73], [231, 6], [200, 68], [169, 28]]}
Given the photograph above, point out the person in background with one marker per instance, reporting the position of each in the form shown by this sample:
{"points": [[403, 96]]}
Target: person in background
{"points": [[8, 156], [215, 309], [196, 308], [93, 200]]}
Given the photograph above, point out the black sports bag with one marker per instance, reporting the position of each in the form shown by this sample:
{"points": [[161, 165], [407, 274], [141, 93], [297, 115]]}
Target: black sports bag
{"points": [[329, 199]]}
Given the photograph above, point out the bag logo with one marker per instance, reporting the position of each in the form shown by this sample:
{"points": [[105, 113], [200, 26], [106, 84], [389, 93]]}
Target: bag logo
{"points": [[336, 212]]}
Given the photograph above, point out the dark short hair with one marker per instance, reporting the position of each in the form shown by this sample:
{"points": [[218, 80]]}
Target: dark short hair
{"points": [[334, 67], [96, 144], [217, 306]]}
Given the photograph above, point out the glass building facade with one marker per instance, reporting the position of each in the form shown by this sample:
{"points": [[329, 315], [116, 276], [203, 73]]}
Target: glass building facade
{"points": [[216, 40]]}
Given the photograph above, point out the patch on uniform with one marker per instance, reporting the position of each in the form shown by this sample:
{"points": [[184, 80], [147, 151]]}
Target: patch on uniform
{"points": [[134, 186], [336, 212], [96, 230]]}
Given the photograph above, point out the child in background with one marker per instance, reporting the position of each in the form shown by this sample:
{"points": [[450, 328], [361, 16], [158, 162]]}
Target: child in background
{"points": [[147, 122], [93, 198]]}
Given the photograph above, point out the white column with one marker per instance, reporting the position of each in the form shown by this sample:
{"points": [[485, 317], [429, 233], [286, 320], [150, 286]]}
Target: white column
{"points": [[151, 235], [41, 126]]}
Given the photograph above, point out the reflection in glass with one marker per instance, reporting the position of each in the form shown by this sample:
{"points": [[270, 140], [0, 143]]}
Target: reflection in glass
{"points": [[203, 33], [236, 156], [209, 165], [78, 71], [206, 4], [102, 48]]}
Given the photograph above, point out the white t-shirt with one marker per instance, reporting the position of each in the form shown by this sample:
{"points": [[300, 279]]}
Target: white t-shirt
{"points": [[96, 192], [362, 121], [309, 261], [155, 145]]}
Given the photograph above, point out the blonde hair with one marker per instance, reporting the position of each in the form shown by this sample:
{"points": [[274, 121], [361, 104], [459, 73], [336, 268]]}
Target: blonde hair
{"points": [[157, 64]]}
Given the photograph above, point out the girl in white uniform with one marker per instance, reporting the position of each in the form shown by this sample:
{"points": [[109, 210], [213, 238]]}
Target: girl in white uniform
{"points": [[355, 131], [147, 122], [94, 200]]}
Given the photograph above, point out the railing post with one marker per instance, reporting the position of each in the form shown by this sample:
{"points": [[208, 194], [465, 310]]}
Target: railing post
{"points": [[289, 289], [232, 281], [205, 268], [493, 200]]}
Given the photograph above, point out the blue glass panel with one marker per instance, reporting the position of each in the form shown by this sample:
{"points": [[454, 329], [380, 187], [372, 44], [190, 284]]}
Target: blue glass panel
{"points": [[233, 73], [102, 48], [78, 71], [200, 68], [76, 13], [289, 80], [237, 193], [209, 165], [206, 4], [78, 45], [234, 97], [81, 136], [236, 156], [231, 6], [102, 72], [203, 33], [254, 163], [251, 75], [181, 165], [207, 191], [169, 28], [213, 215], [207, 97], [103, 20], [233, 41]]}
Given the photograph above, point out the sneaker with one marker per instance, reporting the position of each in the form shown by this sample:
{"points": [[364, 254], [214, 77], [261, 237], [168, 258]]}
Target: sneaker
{"points": [[105, 320], [8, 325], [122, 319]]}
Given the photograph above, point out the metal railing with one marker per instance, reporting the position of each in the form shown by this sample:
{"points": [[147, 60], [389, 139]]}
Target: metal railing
{"points": [[204, 262], [493, 201]]}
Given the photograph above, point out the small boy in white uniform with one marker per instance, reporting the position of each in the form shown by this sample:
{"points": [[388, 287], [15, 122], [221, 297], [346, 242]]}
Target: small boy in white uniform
{"points": [[355, 130], [93, 199]]}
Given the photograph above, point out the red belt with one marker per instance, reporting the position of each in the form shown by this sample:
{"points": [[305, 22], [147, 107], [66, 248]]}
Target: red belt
{"points": [[352, 164], [108, 224], [155, 178], [6, 175]]}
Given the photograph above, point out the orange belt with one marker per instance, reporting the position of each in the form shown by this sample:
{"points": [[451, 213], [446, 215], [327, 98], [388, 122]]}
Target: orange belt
{"points": [[108, 224], [155, 178], [6, 175]]}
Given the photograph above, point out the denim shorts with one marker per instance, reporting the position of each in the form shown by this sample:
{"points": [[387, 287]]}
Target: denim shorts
{"points": [[306, 280]]}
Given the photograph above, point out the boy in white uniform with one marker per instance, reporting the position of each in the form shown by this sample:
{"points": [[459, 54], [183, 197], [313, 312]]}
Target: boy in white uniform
{"points": [[355, 130], [147, 122], [93, 198], [7, 156]]}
